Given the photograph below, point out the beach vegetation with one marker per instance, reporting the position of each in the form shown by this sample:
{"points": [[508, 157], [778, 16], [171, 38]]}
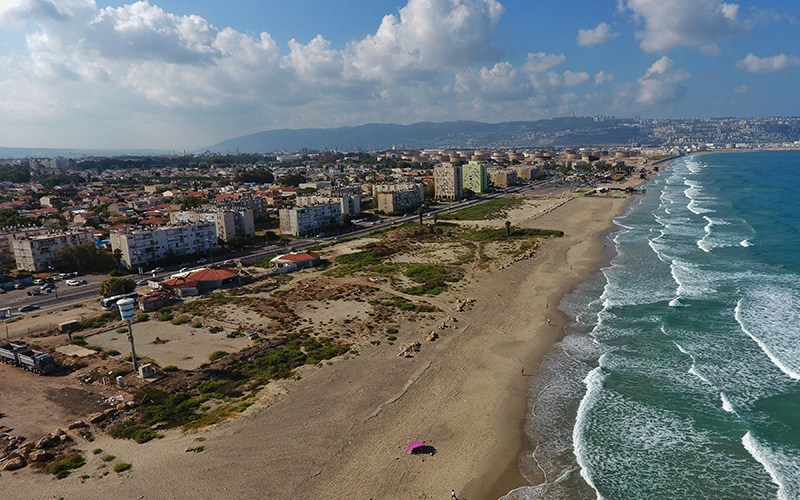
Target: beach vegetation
{"points": [[122, 467], [489, 210], [63, 468]]}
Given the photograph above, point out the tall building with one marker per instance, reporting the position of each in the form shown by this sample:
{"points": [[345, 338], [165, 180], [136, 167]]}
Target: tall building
{"points": [[38, 253], [476, 177], [448, 181], [228, 223], [504, 178], [310, 220], [145, 247], [8, 234], [398, 197]]}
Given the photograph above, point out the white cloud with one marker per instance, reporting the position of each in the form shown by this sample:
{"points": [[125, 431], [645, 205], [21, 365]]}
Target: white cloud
{"points": [[669, 24], [603, 77], [741, 89], [601, 34], [541, 62], [661, 83], [755, 64]]}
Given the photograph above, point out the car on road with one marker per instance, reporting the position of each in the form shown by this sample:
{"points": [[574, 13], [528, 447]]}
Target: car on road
{"points": [[202, 261], [184, 270], [74, 282], [31, 307], [156, 270]]}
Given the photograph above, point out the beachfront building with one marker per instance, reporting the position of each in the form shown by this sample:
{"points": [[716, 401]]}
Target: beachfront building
{"points": [[294, 261], [228, 223], [504, 178], [7, 235], [144, 247], [475, 177], [526, 172], [39, 252], [448, 181], [402, 197], [310, 220]]}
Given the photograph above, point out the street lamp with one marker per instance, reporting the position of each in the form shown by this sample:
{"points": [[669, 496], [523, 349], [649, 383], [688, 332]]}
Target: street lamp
{"points": [[126, 311]]}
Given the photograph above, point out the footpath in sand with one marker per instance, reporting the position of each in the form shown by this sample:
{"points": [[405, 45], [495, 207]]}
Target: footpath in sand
{"points": [[341, 431]]}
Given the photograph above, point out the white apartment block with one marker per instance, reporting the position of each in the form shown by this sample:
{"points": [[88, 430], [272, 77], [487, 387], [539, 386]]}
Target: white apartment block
{"points": [[448, 181], [348, 203], [8, 234], [243, 202], [398, 197], [310, 220], [228, 224], [145, 247], [38, 253]]}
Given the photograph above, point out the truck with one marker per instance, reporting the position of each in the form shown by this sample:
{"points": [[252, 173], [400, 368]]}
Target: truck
{"points": [[27, 358]]}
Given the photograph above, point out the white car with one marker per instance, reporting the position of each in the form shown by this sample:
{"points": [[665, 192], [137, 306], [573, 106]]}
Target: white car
{"points": [[156, 270], [73, 282]]}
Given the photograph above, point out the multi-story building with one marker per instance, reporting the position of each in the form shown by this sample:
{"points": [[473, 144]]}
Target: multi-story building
{"points": [[8, 234], [144, 247], [228, 224], [476, 177], [503, 178], [38, 253], [398, 197], [448, 181], [349, 202], [310, 220], [241, 203], [526, 172]]}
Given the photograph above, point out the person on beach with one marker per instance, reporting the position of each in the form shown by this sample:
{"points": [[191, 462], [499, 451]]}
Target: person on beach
{"points": [[454, 497], [548, 321], [523, 370]]}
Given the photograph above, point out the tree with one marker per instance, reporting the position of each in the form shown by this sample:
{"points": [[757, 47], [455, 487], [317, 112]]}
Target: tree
{"points": [[420, 212], [292, 180], [116, 286], [10, 217], [192, 202], [508, 228], [435, 218], [85, 257], [430, 191]]}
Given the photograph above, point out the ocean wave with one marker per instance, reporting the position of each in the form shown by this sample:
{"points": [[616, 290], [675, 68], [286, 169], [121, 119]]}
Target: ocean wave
{"points": [[770, 317], [775, 464]]}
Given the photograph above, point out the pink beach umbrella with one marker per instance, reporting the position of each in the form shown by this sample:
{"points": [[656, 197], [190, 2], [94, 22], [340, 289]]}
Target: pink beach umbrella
{"points": [[415, 447]]}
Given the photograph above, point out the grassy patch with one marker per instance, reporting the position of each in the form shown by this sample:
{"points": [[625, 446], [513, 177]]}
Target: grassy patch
{"points": [[63, 468], [432, 280], [489, 210], [122, 467]]}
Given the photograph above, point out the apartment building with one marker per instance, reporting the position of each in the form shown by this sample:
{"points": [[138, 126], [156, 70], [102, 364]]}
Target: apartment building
{"points": [[310, 220], [349, 203], [8, 234], [476, 177], [448, 181], [242, 202], [145, 247], [398, 197], [228, 224], [38, 253], [503, 178]]}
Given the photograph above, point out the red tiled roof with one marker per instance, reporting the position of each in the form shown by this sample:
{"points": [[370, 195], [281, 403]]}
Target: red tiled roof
{"points": [[294, 256], [213, 274]]}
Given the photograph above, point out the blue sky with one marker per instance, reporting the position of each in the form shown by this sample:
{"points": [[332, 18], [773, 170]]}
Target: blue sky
{"points": [[179, 74]]}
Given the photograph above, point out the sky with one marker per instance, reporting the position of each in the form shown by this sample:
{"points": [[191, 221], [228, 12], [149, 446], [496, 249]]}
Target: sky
{"points": [[185, 74]]}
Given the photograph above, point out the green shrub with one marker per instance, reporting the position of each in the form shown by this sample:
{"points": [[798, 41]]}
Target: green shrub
{"points": [[197, 324], [216, 355], [144, 435], [112, 352], [107, 458], [165, 317], [122, 467], [62, 469], [122, 330], [207, 386], [180, 320], [170, 368], [97, 451], [142, 317]]}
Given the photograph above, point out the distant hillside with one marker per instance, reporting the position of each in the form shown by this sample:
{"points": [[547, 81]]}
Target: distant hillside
{"points": [[445, 135]]}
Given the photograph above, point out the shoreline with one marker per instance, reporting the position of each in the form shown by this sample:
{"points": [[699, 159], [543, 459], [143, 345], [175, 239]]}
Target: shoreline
{"points": [[511, 477]]}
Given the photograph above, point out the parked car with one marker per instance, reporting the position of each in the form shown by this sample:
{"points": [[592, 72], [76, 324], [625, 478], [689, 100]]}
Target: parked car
{"points": [[46, 286], [38, 281], [27, 308], [73, 283], [34, 292], [157, 270], [202, 261]]}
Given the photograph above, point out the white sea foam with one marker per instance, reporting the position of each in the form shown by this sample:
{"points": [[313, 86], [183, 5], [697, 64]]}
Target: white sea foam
{"points": [[746, 243], [768, 459], [676, 302], [693, 368], [726, 403], [594, 386], [770, 318]]}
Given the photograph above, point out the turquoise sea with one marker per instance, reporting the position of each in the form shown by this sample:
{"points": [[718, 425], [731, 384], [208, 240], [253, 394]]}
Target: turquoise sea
{"points": [[679, 376]]}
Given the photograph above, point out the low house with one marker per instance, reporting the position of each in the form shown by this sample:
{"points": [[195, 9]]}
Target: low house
{"points": [[202, 280], [295, 261]]}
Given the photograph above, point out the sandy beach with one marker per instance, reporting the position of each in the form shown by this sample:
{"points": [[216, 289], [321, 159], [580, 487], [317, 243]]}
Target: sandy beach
{"points": [[342, 429]]}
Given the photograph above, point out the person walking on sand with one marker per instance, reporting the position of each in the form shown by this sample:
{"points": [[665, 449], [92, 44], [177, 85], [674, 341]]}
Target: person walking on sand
{"points": [[454, 497], [548, 321], [523, 370]]}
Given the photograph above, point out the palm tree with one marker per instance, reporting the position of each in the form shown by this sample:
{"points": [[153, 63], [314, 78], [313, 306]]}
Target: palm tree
{"points": [[118, 257]]}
